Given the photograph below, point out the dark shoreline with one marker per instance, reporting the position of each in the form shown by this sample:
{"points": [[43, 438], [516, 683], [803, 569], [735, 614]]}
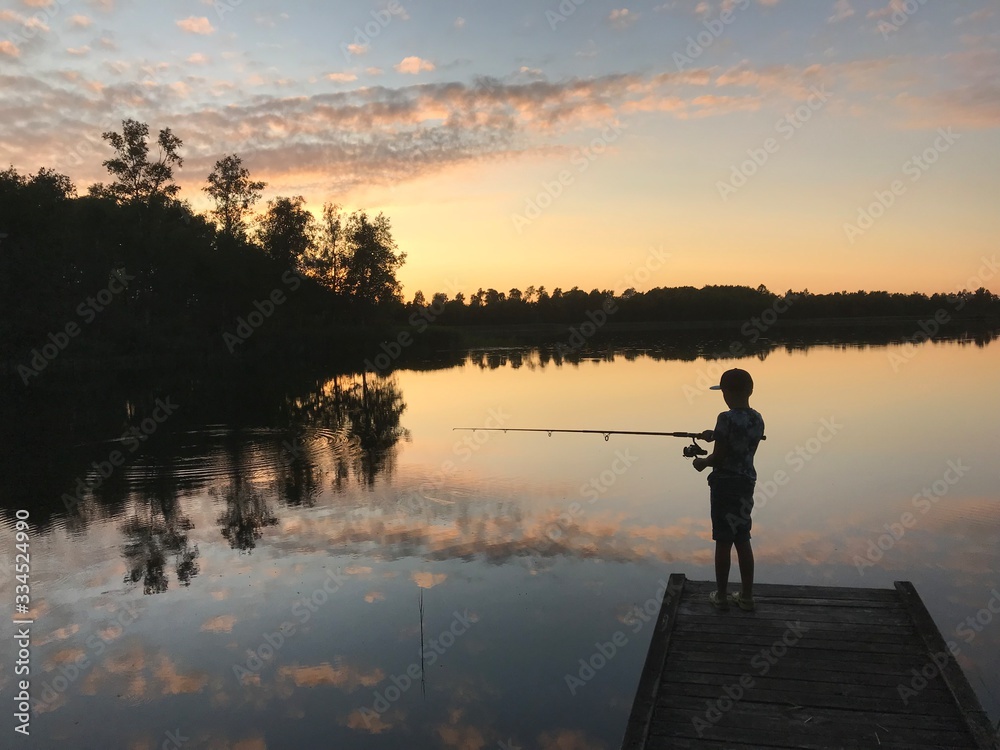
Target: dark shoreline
{"points": [[358, 348]]}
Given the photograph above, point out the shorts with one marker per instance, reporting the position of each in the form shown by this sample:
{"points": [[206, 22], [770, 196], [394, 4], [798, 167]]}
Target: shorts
{"points": [[732, 503]]}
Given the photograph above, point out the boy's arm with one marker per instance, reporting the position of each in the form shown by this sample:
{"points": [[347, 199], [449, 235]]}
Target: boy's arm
{"points": [[718, 455]]}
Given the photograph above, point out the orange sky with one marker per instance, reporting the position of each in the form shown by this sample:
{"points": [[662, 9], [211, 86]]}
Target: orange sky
{"points": [[831, 145]]}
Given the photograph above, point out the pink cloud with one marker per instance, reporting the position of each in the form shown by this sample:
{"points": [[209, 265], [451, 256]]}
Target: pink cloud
{"points": [[196, 25], [621, 18], [413, 65]]}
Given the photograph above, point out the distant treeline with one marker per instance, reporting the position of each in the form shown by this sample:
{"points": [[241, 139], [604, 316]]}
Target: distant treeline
{"points": [[129, 269], [757, 308]]}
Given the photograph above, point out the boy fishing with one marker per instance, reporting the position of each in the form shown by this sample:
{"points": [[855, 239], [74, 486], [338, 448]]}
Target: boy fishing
{"points": [[736, 435]]}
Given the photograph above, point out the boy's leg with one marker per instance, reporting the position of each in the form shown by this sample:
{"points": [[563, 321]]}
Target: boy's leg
{"points": [[744, 552], [723, 560]]}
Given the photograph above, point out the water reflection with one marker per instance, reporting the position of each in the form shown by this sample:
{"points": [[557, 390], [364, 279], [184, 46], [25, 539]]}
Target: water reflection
{"points": [[359, 417], [311, 504], [247, 513], [162, 530]]}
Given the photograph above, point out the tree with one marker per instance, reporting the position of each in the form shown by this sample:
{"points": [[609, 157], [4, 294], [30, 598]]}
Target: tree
{"points": [[234, 193], [372, 260], [286, 230], [136, 178], [326, 260]]}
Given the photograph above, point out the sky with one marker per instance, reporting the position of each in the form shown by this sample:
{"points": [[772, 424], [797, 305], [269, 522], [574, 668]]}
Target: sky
{"points": [[801, 144]]}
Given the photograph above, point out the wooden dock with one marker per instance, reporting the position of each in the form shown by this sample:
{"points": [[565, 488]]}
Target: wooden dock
{"points": [[812, 667]]}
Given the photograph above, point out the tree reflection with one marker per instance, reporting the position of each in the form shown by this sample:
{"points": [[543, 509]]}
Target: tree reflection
{"points": [[354, 419], [149, 540], [246, 513]]}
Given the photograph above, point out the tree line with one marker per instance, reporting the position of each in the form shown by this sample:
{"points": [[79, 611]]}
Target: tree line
{"points": [[190, 275], [141, 271], [712, 303]]}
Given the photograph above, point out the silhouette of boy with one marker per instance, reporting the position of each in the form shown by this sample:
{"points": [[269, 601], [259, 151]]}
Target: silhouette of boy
{"points": [[736, 435]]}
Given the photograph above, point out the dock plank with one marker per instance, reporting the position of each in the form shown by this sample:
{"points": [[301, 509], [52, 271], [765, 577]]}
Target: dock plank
{"points": [[812, 667]]}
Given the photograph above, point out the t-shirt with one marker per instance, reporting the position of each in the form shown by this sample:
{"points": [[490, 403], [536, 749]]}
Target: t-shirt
{"points": [[741, 429]]}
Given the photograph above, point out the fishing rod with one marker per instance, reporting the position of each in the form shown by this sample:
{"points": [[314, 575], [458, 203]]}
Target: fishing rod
{"points": [[690, 451]]}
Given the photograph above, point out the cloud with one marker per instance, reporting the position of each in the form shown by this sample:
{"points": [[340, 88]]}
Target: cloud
{"points": [[622, 18], [36, 23], [841, 9], [427, 580], [894, 6], [341, 77], [413, 65], [342, 676], [339, 141], [197, 58], [459, 23], [360, 721], [174, 683], [78, 51], [220, 624], [357, 49], [9, 49], [196, 25], [79, 21]]}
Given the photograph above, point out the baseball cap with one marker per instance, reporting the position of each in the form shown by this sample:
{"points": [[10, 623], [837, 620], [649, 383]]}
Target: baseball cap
{"points": [[734, 380]]}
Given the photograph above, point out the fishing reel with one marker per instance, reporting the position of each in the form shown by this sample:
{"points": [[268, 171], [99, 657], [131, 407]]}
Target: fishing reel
{"points": [[694, 450]]}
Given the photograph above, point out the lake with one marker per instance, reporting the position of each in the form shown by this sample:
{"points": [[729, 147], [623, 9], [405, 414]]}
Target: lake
{"points": [[324, 562]]}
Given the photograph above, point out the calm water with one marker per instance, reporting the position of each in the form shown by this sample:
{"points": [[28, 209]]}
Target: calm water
{"points": [[263, 569]]}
